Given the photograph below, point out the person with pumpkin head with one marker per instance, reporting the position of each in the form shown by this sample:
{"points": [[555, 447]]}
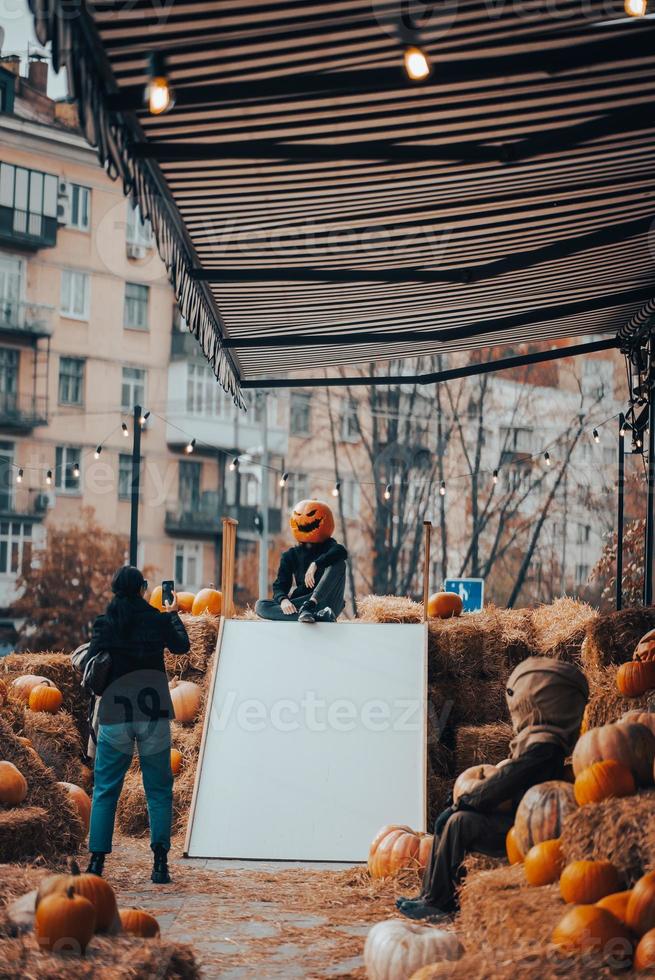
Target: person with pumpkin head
{"points": [[546, 700], [311, 579]]}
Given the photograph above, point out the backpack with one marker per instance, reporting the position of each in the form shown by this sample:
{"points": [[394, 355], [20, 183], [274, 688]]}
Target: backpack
{"points": [[94, 668]]}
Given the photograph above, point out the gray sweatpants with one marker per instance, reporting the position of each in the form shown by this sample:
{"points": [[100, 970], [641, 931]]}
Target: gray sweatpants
{"points": [[328, 591]]}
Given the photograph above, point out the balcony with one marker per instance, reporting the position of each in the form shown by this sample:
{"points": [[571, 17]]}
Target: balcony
{"points": [[22, 413], [25, 320], [204, 519], [24, 505], [28, 209]]}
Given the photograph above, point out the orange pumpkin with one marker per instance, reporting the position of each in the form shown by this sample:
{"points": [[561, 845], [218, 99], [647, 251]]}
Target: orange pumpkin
{"points": [[444, 605], [208, 601], [603, 781], [185, 601], [65, 922], [589, 928], [98, 891], [81, 801], [514, 853], [137, 922], [186, 697], [469, 780], [156, 598], [586, 882], [617, 904], [541, 813], [13, 785], [46, 697], [176, 761], [4, 693], [635, 678], [640, 914], [311, 521], [645, 649], [22, 687], [396, 848], [631, 745], [544, 862], [645, 951]]}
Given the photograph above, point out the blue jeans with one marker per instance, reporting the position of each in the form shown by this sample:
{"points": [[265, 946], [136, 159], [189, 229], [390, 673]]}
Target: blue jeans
{"points": [[113, 757]]}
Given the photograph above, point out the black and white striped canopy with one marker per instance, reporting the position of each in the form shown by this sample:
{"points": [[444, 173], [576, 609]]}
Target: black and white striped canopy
{"points": [[315, 208]]}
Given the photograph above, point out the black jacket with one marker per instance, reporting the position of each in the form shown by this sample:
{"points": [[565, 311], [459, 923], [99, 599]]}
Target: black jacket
{"points": [[138, 685], [538, 764], [295, 562]]}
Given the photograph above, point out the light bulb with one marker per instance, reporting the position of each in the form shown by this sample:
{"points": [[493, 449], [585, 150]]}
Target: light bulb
{"points": [[234, 464], [336, 489], [636, 8], [76, 470], [547, 458], [48, 478], [596, 436], [283, 479], [144, 419], [416, 63], [622, 432], [158, 92], [387, 492], [125, 429], [19, 476], [495, 477], [96, 454], [190, 446], [442, 489]]}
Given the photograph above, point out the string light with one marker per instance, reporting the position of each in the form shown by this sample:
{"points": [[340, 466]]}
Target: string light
{"points": [[190, 446], [96, 454], [76, 471], [125, 429], [596, 436], [234, 465], [495, 477], [283, 479], [158, 93], [417, 64], [19, 476], [144, 419], [636, 8], [387, 492], [48, 478], [547, 458], [336, 488], [622, 431], [442, 488]]}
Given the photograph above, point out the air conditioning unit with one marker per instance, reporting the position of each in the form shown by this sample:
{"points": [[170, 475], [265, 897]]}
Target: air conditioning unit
{"points": [[43, 502], [63, 202], [136, 251]]}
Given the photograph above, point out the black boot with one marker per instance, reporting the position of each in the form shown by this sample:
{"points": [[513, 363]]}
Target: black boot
{"points": [[308, 612], [160, 874], [96, 864]]}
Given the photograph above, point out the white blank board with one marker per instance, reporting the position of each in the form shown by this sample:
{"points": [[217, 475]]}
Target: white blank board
{"points": [[316, 739]]}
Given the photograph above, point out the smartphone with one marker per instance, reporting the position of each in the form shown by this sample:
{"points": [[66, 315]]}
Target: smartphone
{"points": [[167, 590]]}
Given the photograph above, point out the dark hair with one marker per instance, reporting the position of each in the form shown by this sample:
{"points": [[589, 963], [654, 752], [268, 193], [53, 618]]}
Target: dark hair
{"points": [[126, 586]]}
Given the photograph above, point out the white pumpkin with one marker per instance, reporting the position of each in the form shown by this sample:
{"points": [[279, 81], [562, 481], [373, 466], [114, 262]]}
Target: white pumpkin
{"points": [[469, 779], [397, 948]]}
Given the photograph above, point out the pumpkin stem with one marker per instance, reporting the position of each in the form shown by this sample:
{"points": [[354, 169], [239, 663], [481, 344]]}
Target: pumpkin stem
{"points": [[70, 891], [75, 868]]}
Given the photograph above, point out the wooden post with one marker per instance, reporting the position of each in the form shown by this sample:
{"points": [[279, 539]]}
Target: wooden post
{"points": [[228, 565], [427, 532]]}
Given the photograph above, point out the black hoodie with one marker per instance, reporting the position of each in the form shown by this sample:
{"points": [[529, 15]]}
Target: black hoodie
{"points": [[295, 562]]}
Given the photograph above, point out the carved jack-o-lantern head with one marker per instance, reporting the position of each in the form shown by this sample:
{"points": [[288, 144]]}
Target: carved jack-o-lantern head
{"points": [[311, 521]]}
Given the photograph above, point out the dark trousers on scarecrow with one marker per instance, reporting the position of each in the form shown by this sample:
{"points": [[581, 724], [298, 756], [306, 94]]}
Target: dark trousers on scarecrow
{"points": [[328, 591]]}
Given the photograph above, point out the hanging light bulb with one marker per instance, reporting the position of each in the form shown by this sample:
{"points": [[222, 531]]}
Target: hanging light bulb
{"points": [[442, 488], [622, 431], [636, 8], [234, 464], [596, 436], [158, 92], [125, 429], [283, 479], [638, 442], [144, 418], [416, 64], [190, 446], [547, 458], [336, 488], [96, 454], [19, 476], [387, 492], [48, 478], [495, 477], [76, 471]]}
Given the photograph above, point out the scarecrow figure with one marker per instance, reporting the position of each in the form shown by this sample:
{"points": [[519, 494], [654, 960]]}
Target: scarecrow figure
{"points": [[315, 567], [546, 700]]}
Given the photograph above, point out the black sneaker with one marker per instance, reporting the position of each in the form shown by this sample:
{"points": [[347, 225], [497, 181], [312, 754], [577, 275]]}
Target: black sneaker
{"points": [[160, 874], [308, 612], [96, 864], [326, 616]]}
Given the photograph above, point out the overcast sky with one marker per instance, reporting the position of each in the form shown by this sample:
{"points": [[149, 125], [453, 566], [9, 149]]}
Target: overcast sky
{"points": [[19, 37]]}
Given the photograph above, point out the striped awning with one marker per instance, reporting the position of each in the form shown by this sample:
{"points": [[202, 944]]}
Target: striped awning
{"points": [[315, 208]]}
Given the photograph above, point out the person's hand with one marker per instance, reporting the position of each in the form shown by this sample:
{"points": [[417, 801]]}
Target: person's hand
{"points": [[288, 607], [310, 576], [171, 606]]}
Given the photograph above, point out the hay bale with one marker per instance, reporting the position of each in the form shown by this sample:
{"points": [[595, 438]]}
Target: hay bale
{"points": [[526, 961], [115, 958], [64, 828], [57, 741], [561, 627], [605, 704], [389, 609], [621, 831], [58, 668], [476, 744], [516, 637], [23, 832], [612, 638], [203, 634]]}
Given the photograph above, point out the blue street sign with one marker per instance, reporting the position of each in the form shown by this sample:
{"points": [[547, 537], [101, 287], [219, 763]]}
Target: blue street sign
{"points": [[470, 589]]}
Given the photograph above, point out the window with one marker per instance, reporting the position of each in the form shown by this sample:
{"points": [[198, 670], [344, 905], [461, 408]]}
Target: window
{"points": [[581, 574], [71, 381], [80, 213], [66, 458], [124, 476], [188, 565], [15, 546], [349, 423], [516, 440], [350, 498], [75, 294], [297, 488], [189, 486], [135, 316], [11, 289], [138, 232], [28, 203], [9, 358], [204, 395], [583, 533], [133, 388], [299, 414]]}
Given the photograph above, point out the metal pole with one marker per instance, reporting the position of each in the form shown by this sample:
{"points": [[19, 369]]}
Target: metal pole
{"points": [[263, 544], [619, 517], [134, 492], [650, 514]]}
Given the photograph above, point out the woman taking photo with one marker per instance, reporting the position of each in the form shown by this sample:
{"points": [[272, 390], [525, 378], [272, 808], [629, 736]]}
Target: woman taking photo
{"points": [[135, 709]]}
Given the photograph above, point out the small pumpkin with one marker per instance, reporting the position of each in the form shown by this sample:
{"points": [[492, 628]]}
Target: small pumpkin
{"points": [[544, 862], [514, 853], [396, 949], [444, 605], [186, 697], [81, 801], [65, 922], [208, 601], [541, 812], [137, 922], [635, 678], [13, 785], [470, 778], [22, 687], [589, 928], [638, 717], [176, 761], [586, 882], [311, 522], [640, 914], [98, 891], [617, 904], [156, 598], [45, 697], [185, 601], [603, 780], [645, 951], [645, 649], [632, 745], [397, 847]]}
